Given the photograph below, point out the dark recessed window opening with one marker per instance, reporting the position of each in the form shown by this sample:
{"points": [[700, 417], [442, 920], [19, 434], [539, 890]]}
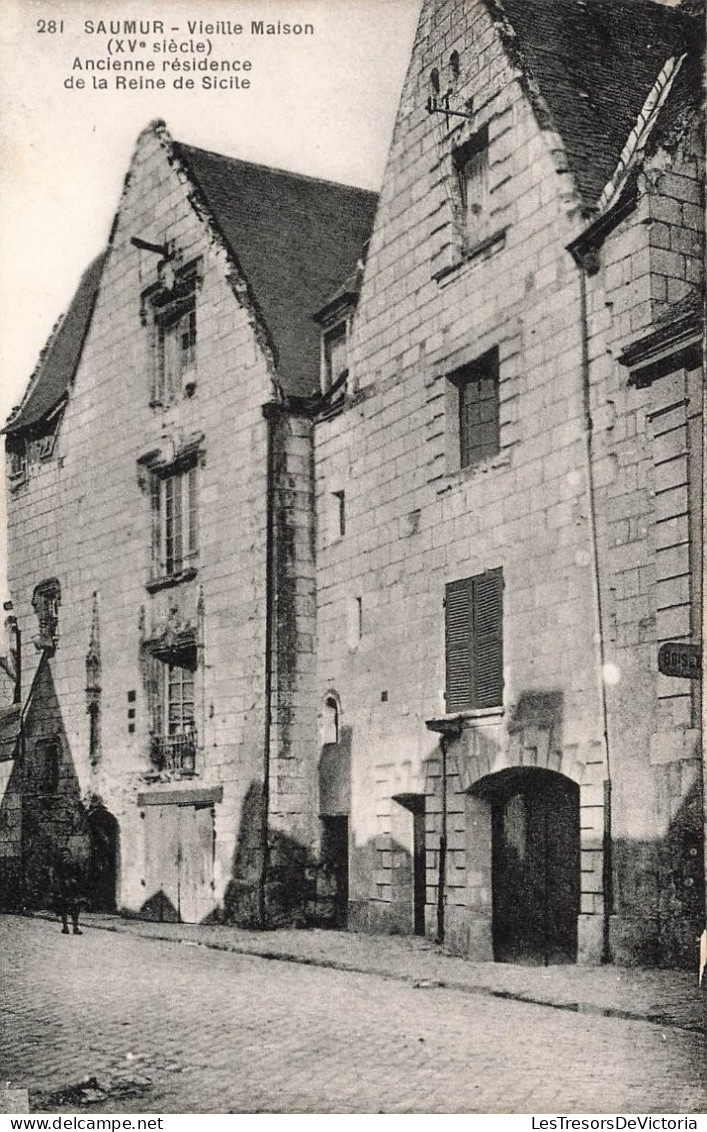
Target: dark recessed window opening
{"points": [[335, 356], [479, 424], [340, 505], [472, 168], [45, 602]]}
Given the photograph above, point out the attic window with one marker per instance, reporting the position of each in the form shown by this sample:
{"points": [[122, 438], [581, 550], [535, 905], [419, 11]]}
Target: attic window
{"points": [[472, 169], [16, 461], [334, 357], [175, 323]]}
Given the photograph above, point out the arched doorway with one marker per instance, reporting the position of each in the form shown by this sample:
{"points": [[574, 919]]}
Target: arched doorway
{"points": [[535, 865], [103, 865]]}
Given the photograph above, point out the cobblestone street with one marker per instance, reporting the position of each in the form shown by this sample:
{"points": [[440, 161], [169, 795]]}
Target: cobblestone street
{"points": [[166, 1026]]}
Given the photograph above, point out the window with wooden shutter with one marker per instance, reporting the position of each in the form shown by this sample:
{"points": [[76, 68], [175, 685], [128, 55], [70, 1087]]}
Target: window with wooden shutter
{"points": [[474, 642]]}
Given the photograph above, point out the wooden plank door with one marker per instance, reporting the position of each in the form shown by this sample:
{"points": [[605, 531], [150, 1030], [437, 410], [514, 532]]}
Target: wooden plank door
{"points": [[536, 872], [419, 870], [196, 862], [161, 864]]}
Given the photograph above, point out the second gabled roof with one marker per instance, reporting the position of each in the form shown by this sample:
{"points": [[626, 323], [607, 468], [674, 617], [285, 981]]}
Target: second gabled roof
{"points": [[593, 63], [60, 358], [295, 238]]}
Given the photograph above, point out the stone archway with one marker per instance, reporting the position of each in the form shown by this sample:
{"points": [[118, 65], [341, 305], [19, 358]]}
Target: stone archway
{"points": [[531, 841], [103, 865]]}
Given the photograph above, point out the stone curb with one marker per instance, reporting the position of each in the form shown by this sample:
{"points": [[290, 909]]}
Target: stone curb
{"points": [[654, 1019]]}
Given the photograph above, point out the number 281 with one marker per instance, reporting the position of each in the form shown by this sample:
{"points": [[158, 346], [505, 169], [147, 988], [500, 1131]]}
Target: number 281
{"points": [[50, 26]]}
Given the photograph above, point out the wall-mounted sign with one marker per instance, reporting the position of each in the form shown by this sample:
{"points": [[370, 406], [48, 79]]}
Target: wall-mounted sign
{"points": [[675, 658]]}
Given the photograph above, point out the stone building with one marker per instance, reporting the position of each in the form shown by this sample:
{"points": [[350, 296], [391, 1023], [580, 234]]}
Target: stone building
{"points": [[375, 570], [518, 456], [161, 546]]}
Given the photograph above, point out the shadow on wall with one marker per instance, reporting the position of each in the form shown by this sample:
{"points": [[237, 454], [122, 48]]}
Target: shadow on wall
{"points": [[42, 813], [384, 868], [300, 890], [660, 892]]}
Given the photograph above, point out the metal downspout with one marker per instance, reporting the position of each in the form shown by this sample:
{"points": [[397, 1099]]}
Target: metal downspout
{"points": [[442, 874], [607, 868], [269, 413]]}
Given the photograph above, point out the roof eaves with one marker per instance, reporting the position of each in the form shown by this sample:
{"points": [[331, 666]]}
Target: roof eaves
{"points": [[531, 87], [593, 236], [47, 391], [638, 138], [178, 155], [675, 339]]}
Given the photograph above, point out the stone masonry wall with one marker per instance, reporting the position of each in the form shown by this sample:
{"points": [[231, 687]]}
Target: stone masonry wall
{"points": [[84, 518], [415, 521], [649, 476]]}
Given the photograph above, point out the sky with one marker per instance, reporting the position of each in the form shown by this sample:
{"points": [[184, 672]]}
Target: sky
{"points": [[323, 105]]}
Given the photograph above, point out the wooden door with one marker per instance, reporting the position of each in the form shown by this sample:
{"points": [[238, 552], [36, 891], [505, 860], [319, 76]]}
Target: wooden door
{"points": [[335, 852], [419, 870], [179, 863], [161, 864], [104, 833], [536, 870], [196, 862]]}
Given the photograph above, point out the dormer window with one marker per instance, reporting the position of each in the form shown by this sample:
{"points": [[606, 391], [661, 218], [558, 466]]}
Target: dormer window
{"points": [[16, 449], [334, 361], [175, 337]]}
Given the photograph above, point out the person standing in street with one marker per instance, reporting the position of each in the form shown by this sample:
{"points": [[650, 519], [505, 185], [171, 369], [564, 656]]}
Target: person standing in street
{"points": [[68, 891]]}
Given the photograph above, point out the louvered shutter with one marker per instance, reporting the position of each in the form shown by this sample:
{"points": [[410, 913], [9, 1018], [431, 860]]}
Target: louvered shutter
{"points": [[458, 618], [487, 636]]}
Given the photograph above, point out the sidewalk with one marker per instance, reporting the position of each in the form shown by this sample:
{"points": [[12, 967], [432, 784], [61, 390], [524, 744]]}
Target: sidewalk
{"points": [[665, 998]]}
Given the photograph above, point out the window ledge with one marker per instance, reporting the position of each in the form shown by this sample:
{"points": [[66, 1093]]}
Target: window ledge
{"points": [[168, 580], [463, 475], [454, 723], [490, 244]]}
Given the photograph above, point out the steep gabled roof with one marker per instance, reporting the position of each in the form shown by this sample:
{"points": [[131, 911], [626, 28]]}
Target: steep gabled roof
{"points": [[60, 358], [589, 66], [295, 238]]}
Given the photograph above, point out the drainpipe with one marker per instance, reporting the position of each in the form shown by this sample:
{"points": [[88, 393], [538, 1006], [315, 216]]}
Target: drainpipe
{"points": [[442, 875], [17, 690], [270, 415], [588, 265]]}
